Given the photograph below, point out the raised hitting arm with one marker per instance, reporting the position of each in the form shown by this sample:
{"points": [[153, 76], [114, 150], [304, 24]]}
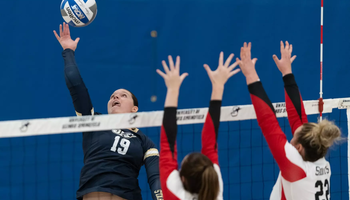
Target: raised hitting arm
{"points": [[78, 91]]}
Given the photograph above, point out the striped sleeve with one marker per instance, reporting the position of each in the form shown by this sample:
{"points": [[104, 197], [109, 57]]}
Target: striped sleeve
{"points": [[275, 138], [210, 132], [294, 103], [151, 161]]}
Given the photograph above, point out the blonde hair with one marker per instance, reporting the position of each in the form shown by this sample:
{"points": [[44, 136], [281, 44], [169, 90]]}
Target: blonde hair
{"points": [[200, 176], [318, 138]]}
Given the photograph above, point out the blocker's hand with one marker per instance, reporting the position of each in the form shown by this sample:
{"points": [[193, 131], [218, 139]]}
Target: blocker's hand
{"points": [[224, 71], [172, 76], [285, 63], [247, 64]]}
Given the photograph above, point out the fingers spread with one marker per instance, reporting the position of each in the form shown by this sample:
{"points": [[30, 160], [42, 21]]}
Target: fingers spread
{"points": [[287, 46], [281, 46], [57, 37], [229, 59], [183, 76], [177, 64], [221, 59], [67, 29], [238, 61], [207, 68], [60, 29], [77, 40], [171, 63], [293, 58], [254, 60], [249, 50], [234, 72], [231, 67], [165, 66], [161, 73], [275, 58], [64, 29]]}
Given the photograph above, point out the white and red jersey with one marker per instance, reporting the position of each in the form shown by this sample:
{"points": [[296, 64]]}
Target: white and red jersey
{"points": [[169, 175], [298, 179]]}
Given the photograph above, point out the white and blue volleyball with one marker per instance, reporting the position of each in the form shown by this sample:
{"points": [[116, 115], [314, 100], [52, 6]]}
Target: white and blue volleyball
{"points": [[78, 13]]}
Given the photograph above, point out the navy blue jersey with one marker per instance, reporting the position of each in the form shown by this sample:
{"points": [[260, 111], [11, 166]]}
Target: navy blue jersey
{"points": [[112, 159]]}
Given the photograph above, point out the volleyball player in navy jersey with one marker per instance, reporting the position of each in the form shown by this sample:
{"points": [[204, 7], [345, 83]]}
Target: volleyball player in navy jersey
{"points": [[112, 159], [304, 171], [200, 175]]}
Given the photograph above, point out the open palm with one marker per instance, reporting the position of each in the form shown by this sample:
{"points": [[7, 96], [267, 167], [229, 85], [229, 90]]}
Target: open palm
{"points": [[224, 71], [65, 39]]}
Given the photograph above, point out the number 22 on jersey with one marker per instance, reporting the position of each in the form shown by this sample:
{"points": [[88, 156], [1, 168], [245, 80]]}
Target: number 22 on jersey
{"points": [[322, 186], [124, 145]]}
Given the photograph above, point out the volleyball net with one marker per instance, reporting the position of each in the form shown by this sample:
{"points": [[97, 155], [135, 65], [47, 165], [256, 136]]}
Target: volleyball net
{"points": [[42, 158]]}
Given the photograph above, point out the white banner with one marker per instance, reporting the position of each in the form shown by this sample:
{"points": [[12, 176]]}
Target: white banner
{"points": [[48, 126]]}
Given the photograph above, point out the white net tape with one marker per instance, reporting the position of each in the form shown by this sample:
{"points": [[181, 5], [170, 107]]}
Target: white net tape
{"points": [[46, 126]]}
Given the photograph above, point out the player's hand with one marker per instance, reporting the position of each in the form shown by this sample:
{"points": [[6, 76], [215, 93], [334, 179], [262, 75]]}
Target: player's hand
{"points": [[285, 63], [247, 64], [172, 76], [64, 38], [224, 71]]}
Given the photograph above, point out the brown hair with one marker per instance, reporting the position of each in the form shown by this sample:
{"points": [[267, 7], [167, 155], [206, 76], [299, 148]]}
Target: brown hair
{"points": [[317, 138], [200, 176], [136, 102]]}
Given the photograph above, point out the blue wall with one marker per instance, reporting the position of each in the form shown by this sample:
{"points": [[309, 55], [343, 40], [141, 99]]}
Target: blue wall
{"points": [[117, 51]]}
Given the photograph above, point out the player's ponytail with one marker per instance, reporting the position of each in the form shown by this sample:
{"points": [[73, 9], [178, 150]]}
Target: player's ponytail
{"points": [[329, 133], [318, 138], [199, 176], [210, 184]]}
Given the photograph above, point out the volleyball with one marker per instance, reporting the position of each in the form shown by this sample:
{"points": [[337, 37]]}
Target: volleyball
{"points": [[78, 13]]}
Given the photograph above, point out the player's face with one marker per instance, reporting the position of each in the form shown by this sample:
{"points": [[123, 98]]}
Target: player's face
{"points": [[121, 102]]}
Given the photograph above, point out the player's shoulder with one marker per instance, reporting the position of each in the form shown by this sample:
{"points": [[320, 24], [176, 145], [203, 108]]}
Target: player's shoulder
{"points": [[139, 133], [174, 184]]}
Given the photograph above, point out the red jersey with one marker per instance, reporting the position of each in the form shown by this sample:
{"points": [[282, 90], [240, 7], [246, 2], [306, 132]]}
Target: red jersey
{"points": [[298, 179], [169, 175]]}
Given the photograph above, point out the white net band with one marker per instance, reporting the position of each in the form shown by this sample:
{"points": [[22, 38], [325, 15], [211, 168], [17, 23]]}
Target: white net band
{"points": [[46, 126]]}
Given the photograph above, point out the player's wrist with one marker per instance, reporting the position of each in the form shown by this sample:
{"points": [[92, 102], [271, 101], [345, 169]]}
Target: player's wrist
{"points": [[251, 78], [217, 92], [68, 47], [217, 86], [173, 90], [284, 73]]}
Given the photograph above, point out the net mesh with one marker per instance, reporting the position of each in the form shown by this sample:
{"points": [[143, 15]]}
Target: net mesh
{"points": [[48, 166]]}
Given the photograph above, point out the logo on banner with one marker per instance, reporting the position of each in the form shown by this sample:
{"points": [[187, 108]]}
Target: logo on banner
{"points": [[235, 111], [189, 114], [24, 126], [81, 122], [132, 119], [280, 108]]}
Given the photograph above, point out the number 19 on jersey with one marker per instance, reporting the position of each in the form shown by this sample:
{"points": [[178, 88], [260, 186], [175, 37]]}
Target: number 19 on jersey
{"points": [[124, 145]]}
